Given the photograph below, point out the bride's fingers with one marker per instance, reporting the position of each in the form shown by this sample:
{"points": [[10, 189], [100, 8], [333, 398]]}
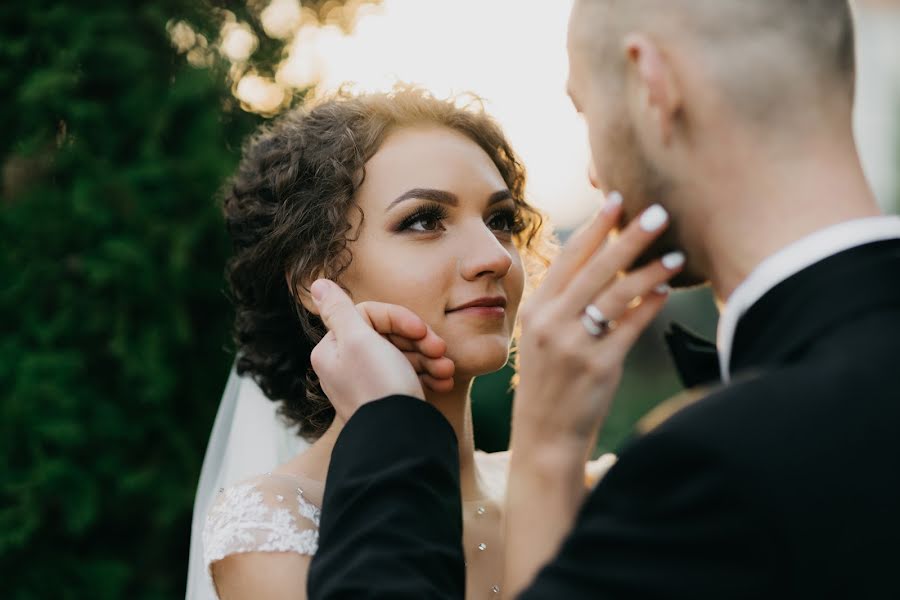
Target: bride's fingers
{"points": [[581, 247], [603, 266], [618, 297], [439, 368], [630, 326]]}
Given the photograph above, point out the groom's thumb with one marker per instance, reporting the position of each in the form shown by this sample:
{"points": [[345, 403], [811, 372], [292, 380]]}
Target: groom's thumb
{"points": [[319, 289], [335, 308]]}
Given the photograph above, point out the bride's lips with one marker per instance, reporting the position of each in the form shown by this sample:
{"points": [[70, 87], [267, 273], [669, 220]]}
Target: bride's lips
{"points": [[488, 306]]}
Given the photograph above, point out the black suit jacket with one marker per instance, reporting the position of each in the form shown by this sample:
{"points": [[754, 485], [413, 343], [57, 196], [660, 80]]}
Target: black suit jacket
{"points": [[783, 484]]}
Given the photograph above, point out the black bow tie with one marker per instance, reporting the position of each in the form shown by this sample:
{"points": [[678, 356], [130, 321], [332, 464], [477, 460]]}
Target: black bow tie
{"points": [[696, 359]]}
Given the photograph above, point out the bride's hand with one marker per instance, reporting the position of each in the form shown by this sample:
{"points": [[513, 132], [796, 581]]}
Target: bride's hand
{"points": [[581, 323], [374, 350]]}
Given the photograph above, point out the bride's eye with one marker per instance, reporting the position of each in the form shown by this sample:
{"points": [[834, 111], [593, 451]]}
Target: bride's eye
{"points": [[506, 220], [425, 219]]}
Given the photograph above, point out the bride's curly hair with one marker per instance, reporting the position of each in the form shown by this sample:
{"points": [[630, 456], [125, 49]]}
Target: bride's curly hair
{"points": [[286, 209]]}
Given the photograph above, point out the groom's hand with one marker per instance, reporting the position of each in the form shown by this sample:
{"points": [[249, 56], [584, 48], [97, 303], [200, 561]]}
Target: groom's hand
{"points": [[373, 350], [403, 328]]}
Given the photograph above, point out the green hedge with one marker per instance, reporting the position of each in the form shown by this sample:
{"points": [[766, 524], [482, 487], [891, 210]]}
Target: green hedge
{"points": [[114, 347]]}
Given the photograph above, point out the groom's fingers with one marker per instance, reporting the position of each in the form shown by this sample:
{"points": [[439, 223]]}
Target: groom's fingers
{"points": [[431, 345], [323, 358], [439, 368], [399, 324], [402, 343], [389, 319], [404, 328], [438, 385]]}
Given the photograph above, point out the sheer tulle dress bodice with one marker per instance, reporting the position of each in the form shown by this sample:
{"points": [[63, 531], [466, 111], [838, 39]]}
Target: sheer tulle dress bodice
{"points": [[276, 512], [268, 513]]}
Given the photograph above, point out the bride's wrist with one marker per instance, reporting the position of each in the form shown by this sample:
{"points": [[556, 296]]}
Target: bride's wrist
{"points": [[552, 451], [539, 431], [556, 469]]}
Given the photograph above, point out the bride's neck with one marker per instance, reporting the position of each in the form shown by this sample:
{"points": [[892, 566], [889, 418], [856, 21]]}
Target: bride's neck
{"points": [[456, 406]]}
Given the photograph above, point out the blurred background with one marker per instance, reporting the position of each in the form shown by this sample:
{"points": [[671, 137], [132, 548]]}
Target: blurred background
{"points": [[118, 124]]}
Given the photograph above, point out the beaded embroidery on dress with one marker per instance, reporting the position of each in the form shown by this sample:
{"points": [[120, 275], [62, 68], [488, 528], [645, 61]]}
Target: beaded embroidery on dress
{"points": [[268, 513]]}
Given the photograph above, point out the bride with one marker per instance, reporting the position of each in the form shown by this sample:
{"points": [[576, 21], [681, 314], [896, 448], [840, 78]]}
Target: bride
{"points": [[401, 198]]}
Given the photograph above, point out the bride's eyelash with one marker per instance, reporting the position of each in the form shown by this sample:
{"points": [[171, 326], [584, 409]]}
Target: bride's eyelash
{"points": [[426, 212], [437, 213], [513, 218]]}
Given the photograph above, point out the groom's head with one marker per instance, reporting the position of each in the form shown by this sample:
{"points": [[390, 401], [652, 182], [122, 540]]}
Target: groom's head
{"points": [[675, 93]]}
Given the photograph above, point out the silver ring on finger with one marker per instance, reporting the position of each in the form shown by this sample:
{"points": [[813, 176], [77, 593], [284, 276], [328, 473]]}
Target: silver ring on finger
{"points": [[595, 322]]}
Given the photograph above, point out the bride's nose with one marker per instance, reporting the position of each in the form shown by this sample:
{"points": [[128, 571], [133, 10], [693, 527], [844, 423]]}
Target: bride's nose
{"points": [[482, 255]]}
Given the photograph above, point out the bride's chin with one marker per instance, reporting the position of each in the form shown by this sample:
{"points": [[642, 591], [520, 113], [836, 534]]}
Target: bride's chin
{"points": [[480, 361]]}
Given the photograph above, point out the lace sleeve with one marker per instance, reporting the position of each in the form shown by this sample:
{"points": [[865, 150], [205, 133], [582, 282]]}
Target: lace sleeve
{"points": [[267, 514]]}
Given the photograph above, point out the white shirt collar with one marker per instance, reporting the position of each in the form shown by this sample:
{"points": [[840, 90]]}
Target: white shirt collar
{"points": [[790, 261]]}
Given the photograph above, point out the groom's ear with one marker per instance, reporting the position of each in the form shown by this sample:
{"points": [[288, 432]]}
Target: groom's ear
{"points": [[659, 94]]}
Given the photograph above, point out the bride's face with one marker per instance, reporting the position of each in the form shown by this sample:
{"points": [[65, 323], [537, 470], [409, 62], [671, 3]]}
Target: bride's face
{"points": [[437, 236]]}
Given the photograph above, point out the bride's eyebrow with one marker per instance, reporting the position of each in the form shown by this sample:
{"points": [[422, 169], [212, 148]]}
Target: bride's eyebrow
{"points": [[444, 197], [425, 194], [499, 196]]}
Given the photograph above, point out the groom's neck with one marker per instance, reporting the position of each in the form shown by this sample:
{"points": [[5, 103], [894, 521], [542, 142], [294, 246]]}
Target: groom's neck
{"points": [[769, 200]]}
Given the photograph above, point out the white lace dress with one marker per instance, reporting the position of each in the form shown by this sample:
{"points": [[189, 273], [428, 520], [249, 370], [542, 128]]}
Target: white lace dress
{"points": [[268, 513], [279, 513]]}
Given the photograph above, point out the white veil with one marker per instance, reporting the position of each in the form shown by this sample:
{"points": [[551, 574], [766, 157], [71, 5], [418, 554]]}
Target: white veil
{"points": [[248, 438]]}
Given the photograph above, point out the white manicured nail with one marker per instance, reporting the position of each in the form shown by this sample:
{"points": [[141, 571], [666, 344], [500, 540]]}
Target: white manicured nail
{"points": [[663, 289], [654, 218], [614, 199], [612, 203], [673, 260]]}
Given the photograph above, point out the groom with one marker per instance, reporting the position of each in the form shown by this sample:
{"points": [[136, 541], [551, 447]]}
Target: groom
{"points": [[784, 479]]}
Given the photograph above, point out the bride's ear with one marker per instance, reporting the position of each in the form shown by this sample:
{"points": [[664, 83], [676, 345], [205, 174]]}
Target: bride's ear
{"points": [[301, 293]]}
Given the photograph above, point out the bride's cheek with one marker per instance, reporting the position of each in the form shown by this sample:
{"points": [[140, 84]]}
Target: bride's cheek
{"points": [[515, 285]]}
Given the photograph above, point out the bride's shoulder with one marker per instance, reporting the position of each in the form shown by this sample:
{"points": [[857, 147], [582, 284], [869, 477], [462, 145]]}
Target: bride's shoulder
{"points": [[266, 513]]}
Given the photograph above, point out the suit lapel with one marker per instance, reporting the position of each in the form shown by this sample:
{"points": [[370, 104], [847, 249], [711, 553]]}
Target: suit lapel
{"points": [[794, 314], [791, 317]]}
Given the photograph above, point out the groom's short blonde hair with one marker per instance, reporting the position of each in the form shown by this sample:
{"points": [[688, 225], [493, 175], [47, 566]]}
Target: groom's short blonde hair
{"points": [[763, 52]]}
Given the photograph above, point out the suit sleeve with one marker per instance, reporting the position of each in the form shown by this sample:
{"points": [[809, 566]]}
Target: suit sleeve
{"points": [[666, 522], [391, 523]]}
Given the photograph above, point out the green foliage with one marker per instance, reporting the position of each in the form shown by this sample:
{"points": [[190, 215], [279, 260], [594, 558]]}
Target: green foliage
{"points": [[114, 346]]}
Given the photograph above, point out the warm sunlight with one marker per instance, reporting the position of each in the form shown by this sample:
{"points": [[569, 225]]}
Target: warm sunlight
{"points": [[510, 53]]}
